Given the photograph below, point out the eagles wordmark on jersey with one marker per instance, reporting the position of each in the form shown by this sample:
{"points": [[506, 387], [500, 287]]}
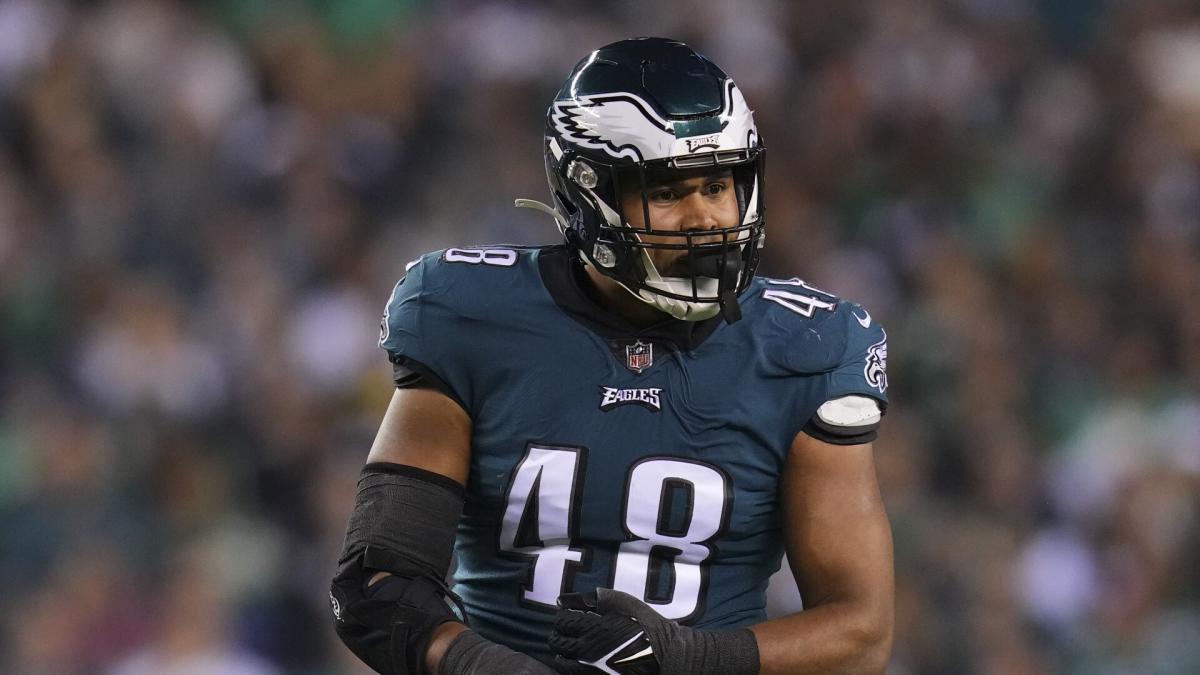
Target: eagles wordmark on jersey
{"points": [[657, 476]]}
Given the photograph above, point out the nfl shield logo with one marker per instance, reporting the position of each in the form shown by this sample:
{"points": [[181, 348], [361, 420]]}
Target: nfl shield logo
{"points": [[639, 356]]}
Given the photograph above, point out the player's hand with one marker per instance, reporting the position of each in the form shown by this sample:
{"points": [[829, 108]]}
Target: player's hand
{"points": [[605, 631]]}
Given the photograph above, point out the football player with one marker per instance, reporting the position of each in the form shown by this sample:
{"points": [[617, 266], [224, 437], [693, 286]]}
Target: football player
{"points": [[620, 435]]}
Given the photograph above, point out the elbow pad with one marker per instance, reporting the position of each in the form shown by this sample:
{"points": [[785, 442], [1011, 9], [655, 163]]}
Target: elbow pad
{"points": [[404, 522]]}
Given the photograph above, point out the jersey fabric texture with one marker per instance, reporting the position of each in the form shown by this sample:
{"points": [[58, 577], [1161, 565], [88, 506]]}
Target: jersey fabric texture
{"points": [[602, 456]]}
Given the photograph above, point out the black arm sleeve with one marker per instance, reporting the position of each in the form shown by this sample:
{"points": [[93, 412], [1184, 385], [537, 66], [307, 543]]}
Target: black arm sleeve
{"points": [[408, 517], [471, 654], [409, 373], [404, 522]]}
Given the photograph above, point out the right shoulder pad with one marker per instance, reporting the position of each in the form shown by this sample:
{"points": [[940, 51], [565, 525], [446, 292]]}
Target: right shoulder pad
{"points": [[440, 303], [419, 329], [439, 289], [401, 322]]}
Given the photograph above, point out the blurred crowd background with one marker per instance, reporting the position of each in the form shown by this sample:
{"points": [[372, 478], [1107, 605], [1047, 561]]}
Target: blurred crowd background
{"points": [[204, 206]]}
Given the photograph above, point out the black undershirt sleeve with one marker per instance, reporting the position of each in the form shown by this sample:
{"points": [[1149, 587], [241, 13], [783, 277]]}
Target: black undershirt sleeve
{"points": [[408, 373]]}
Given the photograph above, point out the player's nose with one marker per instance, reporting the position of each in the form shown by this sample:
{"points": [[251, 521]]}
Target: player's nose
{"points": [[698, 215]]}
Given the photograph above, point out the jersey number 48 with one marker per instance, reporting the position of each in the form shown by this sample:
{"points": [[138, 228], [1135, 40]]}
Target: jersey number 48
{"points": [[544, 494]]}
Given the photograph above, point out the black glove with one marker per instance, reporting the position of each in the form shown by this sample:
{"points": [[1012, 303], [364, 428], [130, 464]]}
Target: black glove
{"points": [[614, 632]]}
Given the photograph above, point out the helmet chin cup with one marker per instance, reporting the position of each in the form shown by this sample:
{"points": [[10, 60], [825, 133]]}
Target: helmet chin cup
{"points": [[686, 310], [680, 309]]}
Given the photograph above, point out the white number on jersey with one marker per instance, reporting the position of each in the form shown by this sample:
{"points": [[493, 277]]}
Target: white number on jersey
{"points": [[549, 476], [650, 483], [498, 257], [542, 488], [803, 304]]}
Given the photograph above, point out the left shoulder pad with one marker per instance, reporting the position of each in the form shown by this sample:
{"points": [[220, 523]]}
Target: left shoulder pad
{"points": [[827, 334], [856, 384], [862, 368]]}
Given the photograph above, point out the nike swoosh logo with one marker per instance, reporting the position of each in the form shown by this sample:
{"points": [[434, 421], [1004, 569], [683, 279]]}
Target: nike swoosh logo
{"points": [[648, 651], [865, 322], [602, 663]]}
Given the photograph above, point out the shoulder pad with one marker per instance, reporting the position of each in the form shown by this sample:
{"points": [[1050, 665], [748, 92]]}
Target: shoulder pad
{"points": [[442, 298], [863, 365], [822, 333], [445, 284]]}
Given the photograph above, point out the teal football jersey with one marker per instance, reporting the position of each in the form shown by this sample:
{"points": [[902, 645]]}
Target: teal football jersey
{"points": [[647, 461]]}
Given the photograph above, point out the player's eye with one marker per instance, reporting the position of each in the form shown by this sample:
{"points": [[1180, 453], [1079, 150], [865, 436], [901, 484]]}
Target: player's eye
{"points": [[663, 195], [715, 188]]}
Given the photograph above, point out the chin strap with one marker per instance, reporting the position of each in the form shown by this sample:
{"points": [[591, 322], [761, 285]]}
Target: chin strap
{"points": [[726, 267], [730, 308]]}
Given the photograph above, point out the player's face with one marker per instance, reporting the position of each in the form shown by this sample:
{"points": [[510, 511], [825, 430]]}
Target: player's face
{"points": [[688, 203]]}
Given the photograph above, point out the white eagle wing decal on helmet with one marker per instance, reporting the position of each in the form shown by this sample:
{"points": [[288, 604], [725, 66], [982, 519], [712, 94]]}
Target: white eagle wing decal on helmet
{"points": [[622, 125], [737, 120]]}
